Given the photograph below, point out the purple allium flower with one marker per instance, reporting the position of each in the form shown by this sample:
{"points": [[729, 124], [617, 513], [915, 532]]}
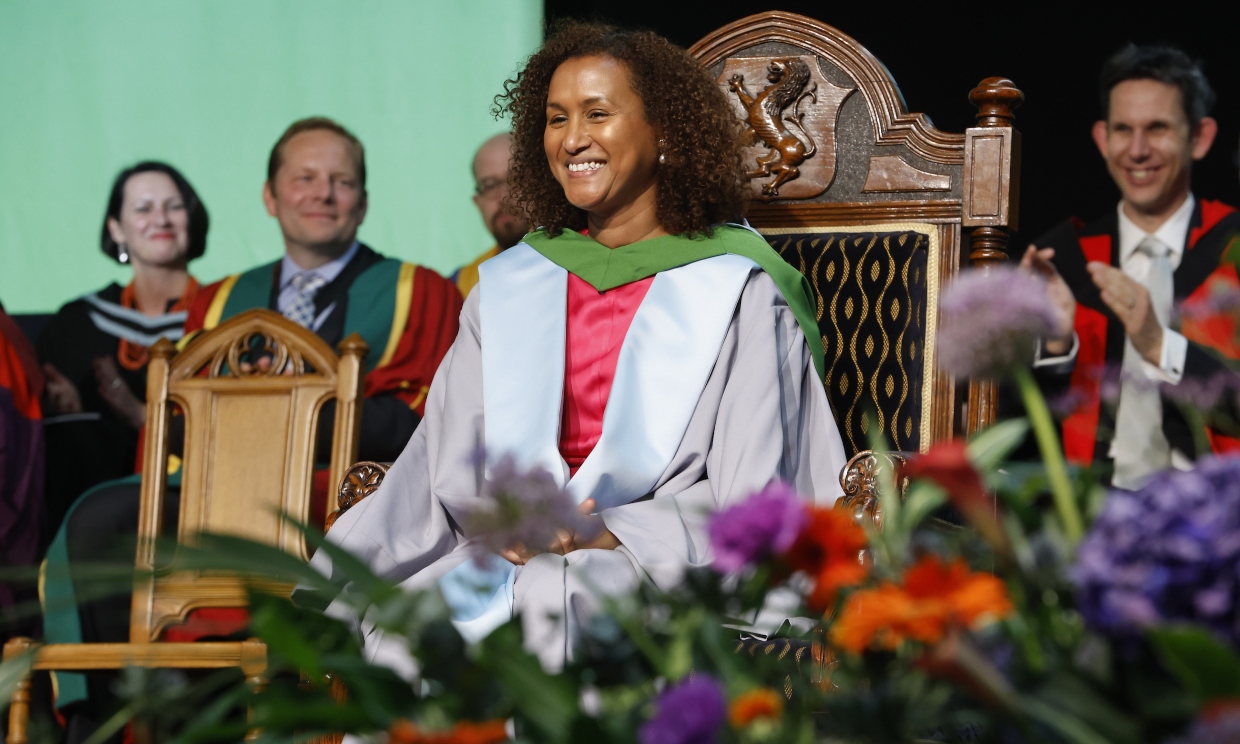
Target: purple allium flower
{"points": [[991, 321], [765, 523], [690, 712], [523, 507], [1168, 552]]}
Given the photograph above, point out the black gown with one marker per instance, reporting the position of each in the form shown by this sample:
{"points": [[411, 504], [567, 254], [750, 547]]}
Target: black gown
{"points": [[96, 445]]}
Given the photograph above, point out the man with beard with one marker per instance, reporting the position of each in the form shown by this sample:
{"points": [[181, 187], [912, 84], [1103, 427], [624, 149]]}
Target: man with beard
{"points": [[490, 189]]}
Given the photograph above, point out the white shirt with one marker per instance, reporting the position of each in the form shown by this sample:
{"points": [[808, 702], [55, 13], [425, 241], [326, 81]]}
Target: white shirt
{"points": [[327, 272], [1173, 233]]}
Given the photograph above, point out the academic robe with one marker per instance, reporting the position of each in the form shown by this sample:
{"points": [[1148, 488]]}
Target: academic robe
{"points": [[407, 315], [466, 277], [96, 445], [1209, 264], [717, 392], [21, 462]]}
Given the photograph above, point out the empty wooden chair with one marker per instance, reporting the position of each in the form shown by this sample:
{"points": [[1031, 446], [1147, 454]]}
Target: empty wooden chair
{"points": [[251, 391]]}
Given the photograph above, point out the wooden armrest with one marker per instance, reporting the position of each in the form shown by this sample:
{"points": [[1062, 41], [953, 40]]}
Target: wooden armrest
{"points": [[250, 656], [358, 482], [859, 479]]}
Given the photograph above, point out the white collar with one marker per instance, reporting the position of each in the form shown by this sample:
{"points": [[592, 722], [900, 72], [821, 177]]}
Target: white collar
{"points": [[1173, 233], [328, 271]]}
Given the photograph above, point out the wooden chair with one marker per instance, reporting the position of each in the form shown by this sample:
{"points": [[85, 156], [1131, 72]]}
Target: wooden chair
{"points": [[876, 207], [248, 457]]}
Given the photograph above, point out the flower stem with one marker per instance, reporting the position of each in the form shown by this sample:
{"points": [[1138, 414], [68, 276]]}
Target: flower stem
{"points": [[1052, 454]]}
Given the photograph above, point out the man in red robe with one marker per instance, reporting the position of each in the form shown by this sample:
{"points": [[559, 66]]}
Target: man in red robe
{"points": [[334, 285], [1120, 276]]}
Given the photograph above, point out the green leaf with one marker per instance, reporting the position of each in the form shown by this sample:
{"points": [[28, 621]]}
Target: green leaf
{"points": [[548, 701], [247, 557], [923, 498], [1071, 694], [1207, 667], [11, 673], [351, 568], [990, 447], [1067, 725]]}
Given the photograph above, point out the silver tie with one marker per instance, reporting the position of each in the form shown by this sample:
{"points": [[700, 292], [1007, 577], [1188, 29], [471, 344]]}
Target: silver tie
{"points": [[301, 309], [1140, 448]]}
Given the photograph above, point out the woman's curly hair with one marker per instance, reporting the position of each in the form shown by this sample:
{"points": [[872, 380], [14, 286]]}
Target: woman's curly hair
{"points": [[702, 182]]}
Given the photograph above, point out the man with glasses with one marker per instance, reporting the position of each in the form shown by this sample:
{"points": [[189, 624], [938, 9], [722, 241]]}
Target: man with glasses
{"points": [[490, 189]]}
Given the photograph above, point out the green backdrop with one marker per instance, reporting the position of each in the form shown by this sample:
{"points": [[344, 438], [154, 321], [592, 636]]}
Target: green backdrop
{"points": [[88, 87]]}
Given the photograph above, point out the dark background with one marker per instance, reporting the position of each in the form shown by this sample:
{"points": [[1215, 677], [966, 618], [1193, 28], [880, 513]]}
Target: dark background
{"points": [[938, 52]]}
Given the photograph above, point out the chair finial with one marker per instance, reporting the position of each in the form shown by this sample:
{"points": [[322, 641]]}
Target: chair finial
{"points": [[353, 345], [163, 348], [995, 98]]}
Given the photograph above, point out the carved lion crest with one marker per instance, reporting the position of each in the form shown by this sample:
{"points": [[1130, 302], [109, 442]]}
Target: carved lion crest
{"points": [[791, 122]]}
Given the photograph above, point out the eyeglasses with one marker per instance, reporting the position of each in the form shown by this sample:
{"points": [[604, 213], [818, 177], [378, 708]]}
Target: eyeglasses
{"points": [[490, 186]]}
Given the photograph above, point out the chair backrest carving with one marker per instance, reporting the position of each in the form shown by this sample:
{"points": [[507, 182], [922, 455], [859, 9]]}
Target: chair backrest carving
{"points": [[250, 391], [873, 204]]}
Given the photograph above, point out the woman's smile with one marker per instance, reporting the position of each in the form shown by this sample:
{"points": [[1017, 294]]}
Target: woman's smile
{"points": [[588, 168]]}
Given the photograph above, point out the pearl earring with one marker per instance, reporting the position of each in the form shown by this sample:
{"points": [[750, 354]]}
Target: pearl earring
{"points": [[122, 253], [662, 157]]}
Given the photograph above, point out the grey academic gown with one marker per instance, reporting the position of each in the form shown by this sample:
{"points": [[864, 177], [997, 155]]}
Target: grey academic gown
{"points": [[761, 415]]}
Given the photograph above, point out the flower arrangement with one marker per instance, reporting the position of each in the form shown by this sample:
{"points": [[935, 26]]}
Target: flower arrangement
{"points": [[989, 607]]}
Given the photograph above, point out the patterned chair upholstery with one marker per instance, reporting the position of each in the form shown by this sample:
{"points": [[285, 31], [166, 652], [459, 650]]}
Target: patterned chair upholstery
{"points": [[876, 288]]}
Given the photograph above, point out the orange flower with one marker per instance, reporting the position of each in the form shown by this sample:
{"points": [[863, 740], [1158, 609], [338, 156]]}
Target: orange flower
{"points": [[829, 550], [464, 732], [750, 706], [934, 598]]}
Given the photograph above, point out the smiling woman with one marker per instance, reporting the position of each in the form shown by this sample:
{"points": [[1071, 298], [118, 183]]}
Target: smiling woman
{"points": [[94, 351], [655, 366]]}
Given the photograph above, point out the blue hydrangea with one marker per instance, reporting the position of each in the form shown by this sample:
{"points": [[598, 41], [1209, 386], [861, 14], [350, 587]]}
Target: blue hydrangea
{"points": [[1168, 552]]}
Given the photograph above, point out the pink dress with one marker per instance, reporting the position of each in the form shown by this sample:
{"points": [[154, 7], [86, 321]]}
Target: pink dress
{"points": [[597, 324]]}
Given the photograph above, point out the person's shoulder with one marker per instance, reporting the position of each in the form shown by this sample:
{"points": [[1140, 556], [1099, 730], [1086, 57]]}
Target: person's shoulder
{"points": [[72, 319], [761, 283], [1072, 229], [740, 236], [1217, 213], [81, 305], [489, 253], [466, 277], [431, 278]]}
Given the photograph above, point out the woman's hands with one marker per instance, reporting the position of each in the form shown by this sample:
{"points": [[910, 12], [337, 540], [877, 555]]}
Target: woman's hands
{"points": [[62, 395], [567, 541], [116, 393]]}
